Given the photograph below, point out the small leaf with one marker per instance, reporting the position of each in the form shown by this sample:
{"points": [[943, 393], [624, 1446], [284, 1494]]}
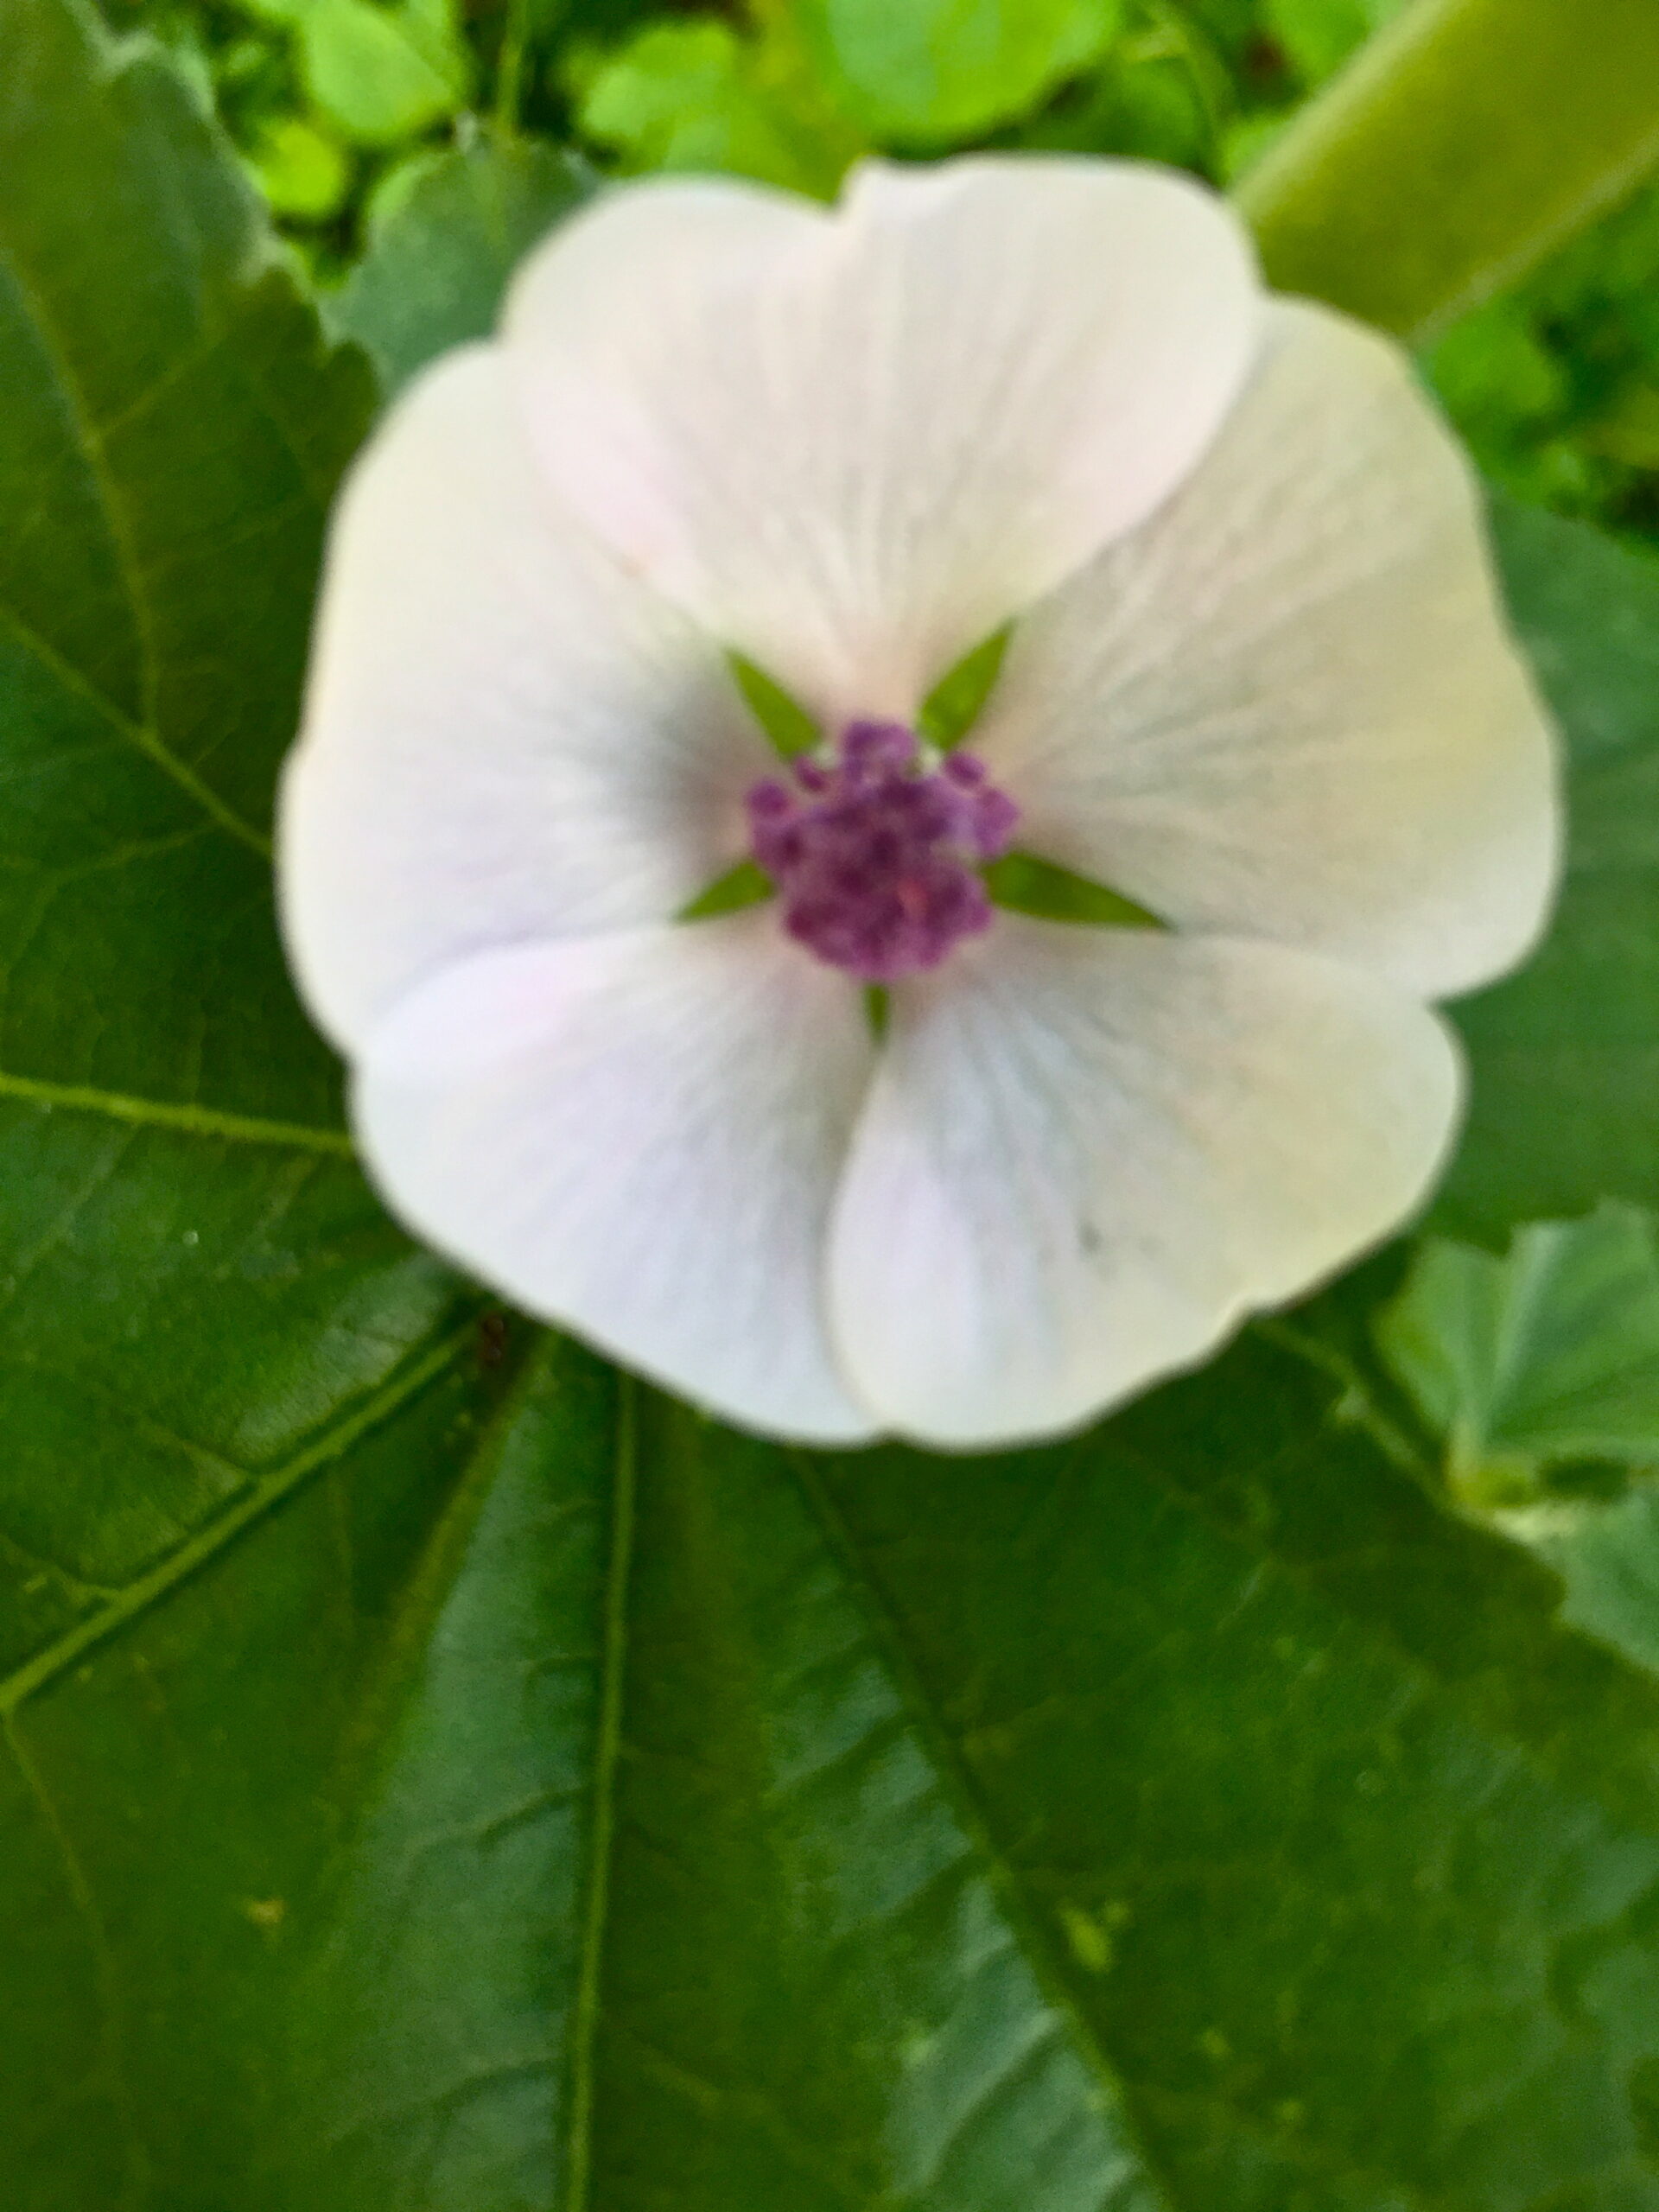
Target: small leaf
{"points": [[700, 96], [1608, 1557], [1542, 1359], [1318, 35], [924, 70], [379, 74], [1491, 369], [439, 261], [301, 171]]}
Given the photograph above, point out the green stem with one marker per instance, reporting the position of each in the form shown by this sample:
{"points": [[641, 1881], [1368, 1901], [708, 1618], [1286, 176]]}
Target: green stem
{"points": [[510, 67], [1464, 142]]}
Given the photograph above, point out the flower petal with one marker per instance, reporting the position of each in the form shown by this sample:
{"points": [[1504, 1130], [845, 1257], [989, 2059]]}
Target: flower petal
{"points": [[1288, 706], [853, 442], [639, 1137], [1087, 1153], [506, 736]]}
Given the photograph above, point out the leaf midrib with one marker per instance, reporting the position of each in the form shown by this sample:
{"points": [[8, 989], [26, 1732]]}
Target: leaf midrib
{"points": [[1043, 1954], [1040, 1952]]}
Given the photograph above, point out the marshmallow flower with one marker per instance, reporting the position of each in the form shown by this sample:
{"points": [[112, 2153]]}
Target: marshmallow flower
{"points": [[1258, 683]]}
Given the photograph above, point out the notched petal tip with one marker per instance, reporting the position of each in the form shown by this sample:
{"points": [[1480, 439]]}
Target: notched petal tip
{"points": [[853, 441]]}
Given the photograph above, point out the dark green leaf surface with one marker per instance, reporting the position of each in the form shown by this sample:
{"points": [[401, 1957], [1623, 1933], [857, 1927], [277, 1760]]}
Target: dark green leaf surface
{"points": [[229, 1390], [1564, 1056], [443, 1777]]}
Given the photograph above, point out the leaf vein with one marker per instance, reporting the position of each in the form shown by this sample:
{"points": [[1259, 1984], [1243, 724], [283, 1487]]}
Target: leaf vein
{"points": [[1035, 1941], [162, 1113], [106, 1974], [143, 733], [151, 1588], [584, 2021]]}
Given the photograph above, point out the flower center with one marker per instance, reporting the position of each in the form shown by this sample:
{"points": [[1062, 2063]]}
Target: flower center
{"points": [[876, 849]]}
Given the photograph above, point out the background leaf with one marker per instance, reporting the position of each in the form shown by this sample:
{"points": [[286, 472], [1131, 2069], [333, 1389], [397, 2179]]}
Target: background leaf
{"points": [[439, 261], [230, 1392], [378, 73], [701, 96], [933, 69], [300, 169], [1545, 1357], [1320, 35]]}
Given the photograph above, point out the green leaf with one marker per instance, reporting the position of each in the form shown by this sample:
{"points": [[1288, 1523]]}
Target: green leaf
{"points": [[232, 1393], [380, 74], [1608, 1557], [1493, 372], [1545, 1357], [925, 71], [1466, 141], [1564, 1056], [1248, 1720], [441, 1776], [1318, 35], [698, 96], [301, 171], [439, 263]]}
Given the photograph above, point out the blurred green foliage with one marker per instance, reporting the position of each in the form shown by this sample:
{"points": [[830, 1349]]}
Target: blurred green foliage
{"points": [[339, 108]]}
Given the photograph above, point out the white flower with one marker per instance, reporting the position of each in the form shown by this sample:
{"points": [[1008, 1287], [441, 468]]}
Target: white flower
{"points": [[1259, 683]]}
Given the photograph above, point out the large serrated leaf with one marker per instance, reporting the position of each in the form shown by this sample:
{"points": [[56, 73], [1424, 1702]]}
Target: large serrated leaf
{"points": [[443, 1777], [230, 1391]]}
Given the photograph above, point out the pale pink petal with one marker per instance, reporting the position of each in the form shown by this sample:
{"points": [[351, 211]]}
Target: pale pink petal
{"points": [[853, 442], [638, 1137], [1087, 1152], [1288, 704], [506, 736]]}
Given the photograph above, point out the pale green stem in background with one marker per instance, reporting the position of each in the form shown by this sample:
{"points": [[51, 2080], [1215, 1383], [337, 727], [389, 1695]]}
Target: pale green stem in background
{"points": [[1464, 142]]}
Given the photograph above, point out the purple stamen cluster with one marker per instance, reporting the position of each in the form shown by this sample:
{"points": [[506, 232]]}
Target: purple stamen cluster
{"points": [[876, 850]]}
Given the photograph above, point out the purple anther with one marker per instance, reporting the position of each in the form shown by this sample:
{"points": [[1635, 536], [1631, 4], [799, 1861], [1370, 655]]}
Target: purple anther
{"points": [[876, 852]]}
